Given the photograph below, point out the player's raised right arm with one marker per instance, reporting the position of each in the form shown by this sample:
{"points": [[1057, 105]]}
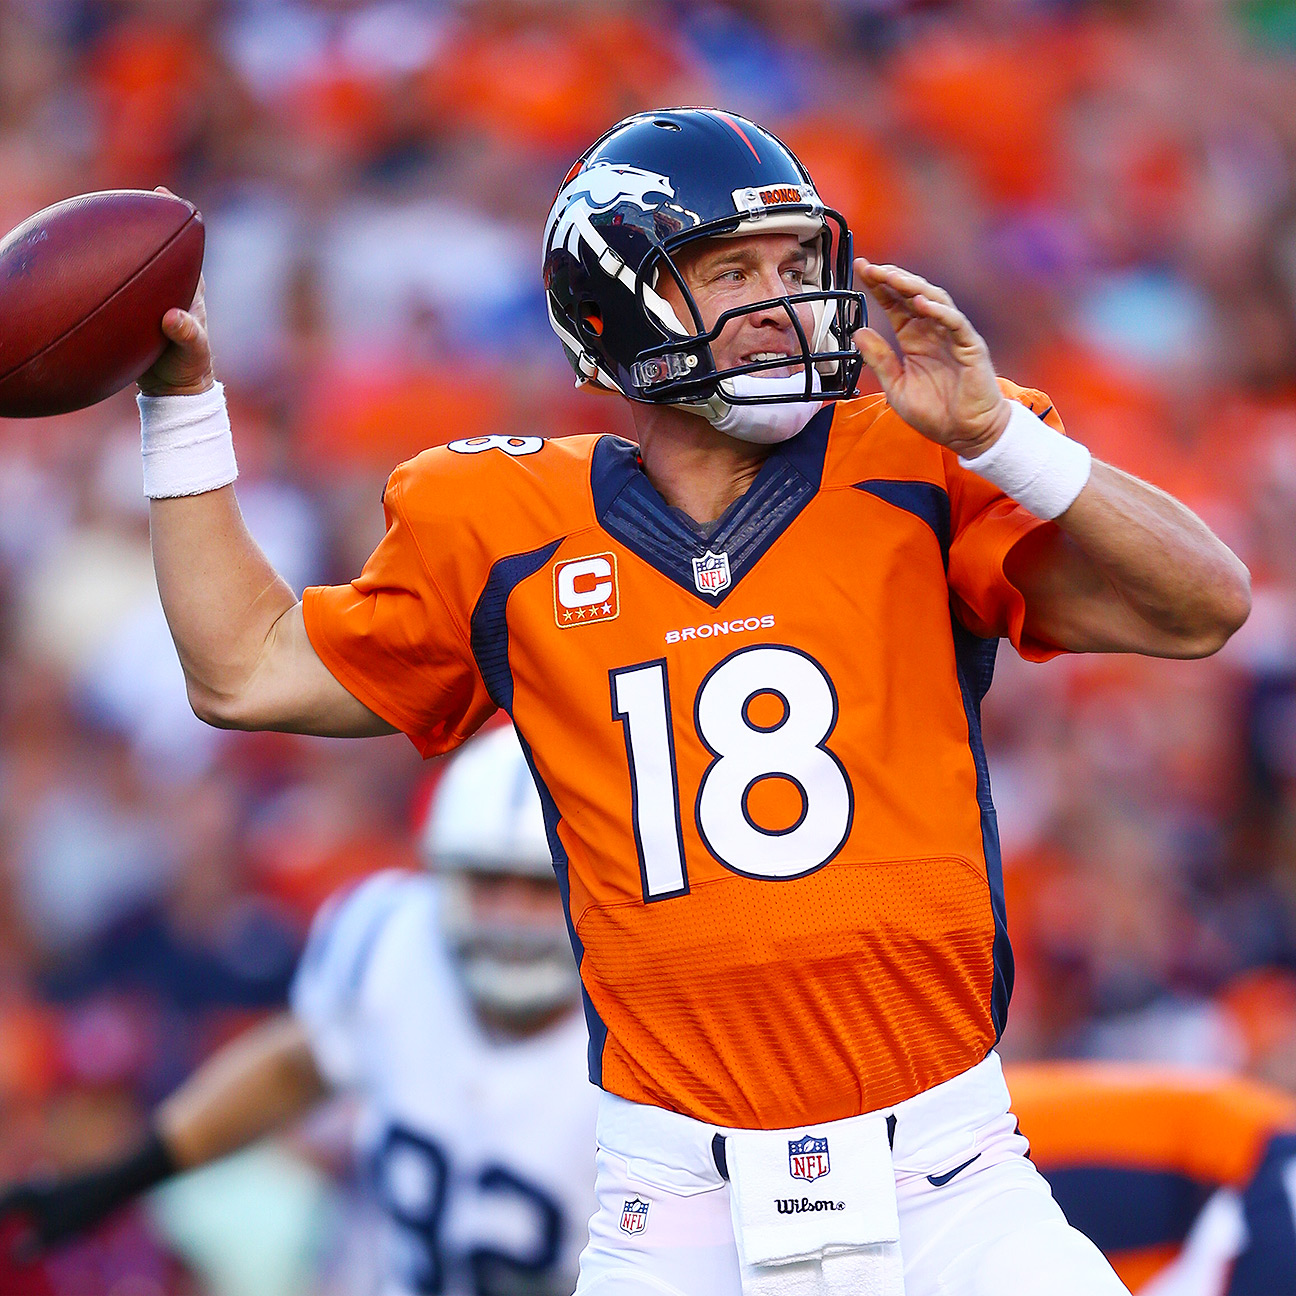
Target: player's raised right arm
{"points": [[237, 626]]}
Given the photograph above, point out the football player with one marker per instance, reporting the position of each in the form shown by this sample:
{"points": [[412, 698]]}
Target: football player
{"points": [[448, 1005], [1178, 1176], [745, 657], [1183, 1179]]}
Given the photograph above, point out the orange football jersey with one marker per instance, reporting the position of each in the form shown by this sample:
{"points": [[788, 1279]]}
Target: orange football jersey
{"points": [[757, 743], [1133, 1152]]}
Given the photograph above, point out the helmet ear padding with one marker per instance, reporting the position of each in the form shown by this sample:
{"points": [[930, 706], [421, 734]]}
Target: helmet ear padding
{"points": [[588, 370], [590, 318]]}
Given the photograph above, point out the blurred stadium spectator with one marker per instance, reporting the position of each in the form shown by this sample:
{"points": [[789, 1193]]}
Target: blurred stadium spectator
{"points": [[1109, 191]]}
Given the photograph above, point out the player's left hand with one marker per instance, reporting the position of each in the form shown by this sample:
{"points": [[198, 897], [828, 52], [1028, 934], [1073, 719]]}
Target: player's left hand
{"points": [[942, 383]]}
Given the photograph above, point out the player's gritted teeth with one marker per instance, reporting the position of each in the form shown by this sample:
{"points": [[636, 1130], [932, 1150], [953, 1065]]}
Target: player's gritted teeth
{"points": [[756, 357]]}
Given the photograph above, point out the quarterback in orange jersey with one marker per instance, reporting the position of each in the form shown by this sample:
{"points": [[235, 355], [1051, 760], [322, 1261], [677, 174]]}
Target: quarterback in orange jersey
{"points": [[745, 658], [1182, 1178]]}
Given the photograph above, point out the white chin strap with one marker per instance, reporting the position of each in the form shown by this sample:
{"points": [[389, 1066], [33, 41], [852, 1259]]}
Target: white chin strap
{"points": [[765, 424]]}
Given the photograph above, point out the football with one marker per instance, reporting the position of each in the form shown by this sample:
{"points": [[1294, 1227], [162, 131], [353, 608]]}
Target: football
{"points": [[83, 289]]}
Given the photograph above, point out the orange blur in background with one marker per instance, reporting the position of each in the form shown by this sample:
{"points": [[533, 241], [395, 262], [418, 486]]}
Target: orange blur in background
{"points": [[1108, 191]]}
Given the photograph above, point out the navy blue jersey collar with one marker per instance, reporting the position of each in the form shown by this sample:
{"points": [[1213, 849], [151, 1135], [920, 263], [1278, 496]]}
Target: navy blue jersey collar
{"points": [[629, 508]]}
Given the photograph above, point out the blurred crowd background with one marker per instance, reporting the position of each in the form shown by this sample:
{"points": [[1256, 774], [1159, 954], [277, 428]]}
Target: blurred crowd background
{"points": [[1108, 190]]}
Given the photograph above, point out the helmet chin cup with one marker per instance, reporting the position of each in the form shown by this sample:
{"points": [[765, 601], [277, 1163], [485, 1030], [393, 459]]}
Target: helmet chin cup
{"points": [[760, 419]]}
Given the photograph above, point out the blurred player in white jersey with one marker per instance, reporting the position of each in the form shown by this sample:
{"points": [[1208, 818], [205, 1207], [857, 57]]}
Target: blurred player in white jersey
{"points": [[448, 1005]]}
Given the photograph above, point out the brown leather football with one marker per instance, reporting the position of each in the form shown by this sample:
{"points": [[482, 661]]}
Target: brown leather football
{"points": [[83, 289]]}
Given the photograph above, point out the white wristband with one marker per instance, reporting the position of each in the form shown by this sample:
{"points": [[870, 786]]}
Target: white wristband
{"points": [[187, 443], [1034, 464]]}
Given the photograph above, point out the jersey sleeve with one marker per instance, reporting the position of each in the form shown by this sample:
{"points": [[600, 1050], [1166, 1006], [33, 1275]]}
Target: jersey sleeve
{"points": [[396, 640], [985, 525], [326, 995]]}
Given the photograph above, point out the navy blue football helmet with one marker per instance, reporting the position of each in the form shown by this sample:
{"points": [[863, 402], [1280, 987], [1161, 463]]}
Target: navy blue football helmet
{"points": [[653, 184]]}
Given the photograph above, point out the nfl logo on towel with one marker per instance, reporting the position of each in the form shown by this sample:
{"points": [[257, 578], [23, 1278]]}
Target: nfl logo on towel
{"points": [[807, 1157], [711, 572], [634, 1216]]}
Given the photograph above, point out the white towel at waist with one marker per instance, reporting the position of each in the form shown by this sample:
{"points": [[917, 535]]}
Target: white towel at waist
{"points": [[805, 1193]]}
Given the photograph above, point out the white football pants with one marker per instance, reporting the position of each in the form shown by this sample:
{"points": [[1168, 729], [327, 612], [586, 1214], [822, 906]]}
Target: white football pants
{"points": [[990, 1229]]}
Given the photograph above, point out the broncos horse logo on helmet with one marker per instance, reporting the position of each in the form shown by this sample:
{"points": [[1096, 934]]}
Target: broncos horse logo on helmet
{"points": [[653, 184], [600, 188]]}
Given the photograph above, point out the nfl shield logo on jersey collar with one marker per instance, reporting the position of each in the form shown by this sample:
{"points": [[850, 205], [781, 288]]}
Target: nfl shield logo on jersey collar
{"points": [[711, 572], [634, 1216], [808, 1157]]}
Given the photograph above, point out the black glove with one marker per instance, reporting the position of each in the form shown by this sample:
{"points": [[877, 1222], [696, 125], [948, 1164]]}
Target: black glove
{"points": [[58, 1208]]}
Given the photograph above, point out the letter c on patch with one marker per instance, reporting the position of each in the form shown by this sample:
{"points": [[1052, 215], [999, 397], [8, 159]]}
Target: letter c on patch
{"points": [[596, 569]]}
